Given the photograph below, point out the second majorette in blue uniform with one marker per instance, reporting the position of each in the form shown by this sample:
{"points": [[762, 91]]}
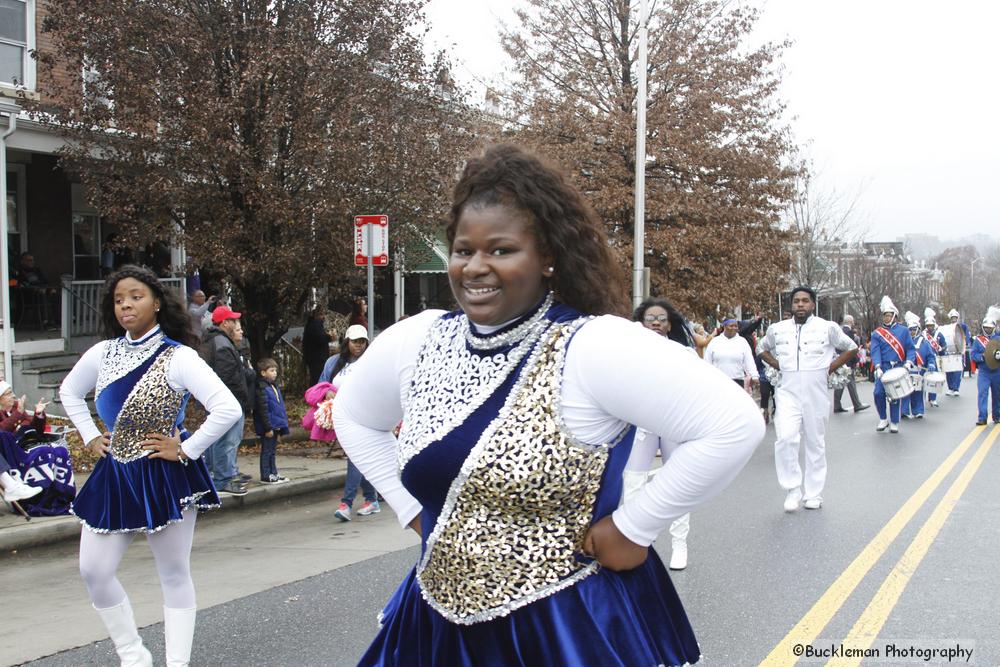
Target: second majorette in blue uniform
{"points": [[892, 347], [128, 491]]}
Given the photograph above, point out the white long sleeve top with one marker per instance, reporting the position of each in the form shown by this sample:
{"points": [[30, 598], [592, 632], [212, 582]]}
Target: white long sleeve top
{"points": [[810, 346], [187, 372], [655, 384], [732, 356]]}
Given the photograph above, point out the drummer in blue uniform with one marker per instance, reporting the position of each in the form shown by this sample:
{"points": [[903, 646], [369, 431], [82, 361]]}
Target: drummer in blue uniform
{"points": [[913, 405], [988, 366], [892, 347], [937, 342]]}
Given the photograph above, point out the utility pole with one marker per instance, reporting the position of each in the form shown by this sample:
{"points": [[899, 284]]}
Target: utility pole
{"points": [[639, 235]]}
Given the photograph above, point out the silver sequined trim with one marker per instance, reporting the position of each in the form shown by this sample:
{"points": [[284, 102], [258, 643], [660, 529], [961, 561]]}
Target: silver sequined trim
{"points": [[189, 502], [450, 382], [477, 342], [121, 358]]}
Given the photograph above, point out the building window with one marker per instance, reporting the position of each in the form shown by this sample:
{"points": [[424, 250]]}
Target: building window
{"points": [[86, 246], [17, 40]]}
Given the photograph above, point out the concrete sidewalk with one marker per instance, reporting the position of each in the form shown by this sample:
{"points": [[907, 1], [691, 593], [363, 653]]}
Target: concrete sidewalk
{"points": [[306, 474]]}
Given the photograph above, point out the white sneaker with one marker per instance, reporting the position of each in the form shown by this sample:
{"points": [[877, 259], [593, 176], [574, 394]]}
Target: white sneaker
{"points": [[882, 425], [16, 490], [893, 428], [813, 503], [792, 499], [679, 556], [935, 404]]}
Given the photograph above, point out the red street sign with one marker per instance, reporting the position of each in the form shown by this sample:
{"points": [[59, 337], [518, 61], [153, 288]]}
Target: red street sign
{"points": [[377, 227]]}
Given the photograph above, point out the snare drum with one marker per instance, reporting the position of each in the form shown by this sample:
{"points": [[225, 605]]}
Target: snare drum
{"points": [[897, 383], [952, 363], [918, 382], [934, 381]]}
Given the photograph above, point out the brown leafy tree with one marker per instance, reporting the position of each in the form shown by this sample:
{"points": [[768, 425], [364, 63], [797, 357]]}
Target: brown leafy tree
{"points": [[716, 145], [254, 130]]}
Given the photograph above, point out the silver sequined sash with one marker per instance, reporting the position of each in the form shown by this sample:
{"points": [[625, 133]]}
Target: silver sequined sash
{"points": [[151, 407], [516, 515], [451, 381]]}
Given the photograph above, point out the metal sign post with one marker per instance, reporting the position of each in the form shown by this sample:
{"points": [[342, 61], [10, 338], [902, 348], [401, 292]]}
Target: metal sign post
{"points": [[371, 247]]}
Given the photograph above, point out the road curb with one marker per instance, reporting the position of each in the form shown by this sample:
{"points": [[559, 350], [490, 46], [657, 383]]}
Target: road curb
{"points": [[50, 530]]}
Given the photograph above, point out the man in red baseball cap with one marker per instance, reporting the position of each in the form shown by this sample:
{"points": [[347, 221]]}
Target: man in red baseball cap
{"points": [[223, 355]]}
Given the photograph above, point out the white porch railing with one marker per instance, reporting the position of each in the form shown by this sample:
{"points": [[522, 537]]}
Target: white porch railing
{"points": [[81, 305]]}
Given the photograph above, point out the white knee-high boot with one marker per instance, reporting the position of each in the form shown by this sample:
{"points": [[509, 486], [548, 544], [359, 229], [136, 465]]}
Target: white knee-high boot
{"points": [[120, 623], [678, 542], [632, 483], [178, 635]]}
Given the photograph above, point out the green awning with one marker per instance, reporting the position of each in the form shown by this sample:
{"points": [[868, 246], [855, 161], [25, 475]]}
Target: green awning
{"points": [[432, 258]]}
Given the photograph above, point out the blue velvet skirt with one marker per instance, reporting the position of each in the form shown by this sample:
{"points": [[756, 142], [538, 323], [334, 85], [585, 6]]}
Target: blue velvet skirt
{"points": [[631, 619], [144, 495]]}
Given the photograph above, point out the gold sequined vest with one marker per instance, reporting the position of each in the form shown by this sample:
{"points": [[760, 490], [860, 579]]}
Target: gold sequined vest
{"points": [[514, 520], [151, 407]]}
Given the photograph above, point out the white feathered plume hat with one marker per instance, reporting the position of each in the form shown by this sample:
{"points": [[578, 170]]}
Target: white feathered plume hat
{"points": [[887, 306], [929, 315], [953, 313], [911, 320], [992, 315]]}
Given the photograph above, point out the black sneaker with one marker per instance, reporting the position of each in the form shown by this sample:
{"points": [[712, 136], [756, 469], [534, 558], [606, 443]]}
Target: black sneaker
{"points": [[274, 479], [863, 406], [233, 489], [243, 477]]}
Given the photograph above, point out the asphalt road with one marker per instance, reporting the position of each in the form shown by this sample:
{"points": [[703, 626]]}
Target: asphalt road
{"points": [[902, 554]]}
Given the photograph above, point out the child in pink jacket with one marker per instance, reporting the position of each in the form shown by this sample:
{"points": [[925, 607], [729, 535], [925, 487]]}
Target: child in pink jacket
{"points": [[314, 396]]}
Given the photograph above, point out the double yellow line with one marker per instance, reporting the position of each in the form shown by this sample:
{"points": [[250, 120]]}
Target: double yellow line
{"points": [[873, 618]]}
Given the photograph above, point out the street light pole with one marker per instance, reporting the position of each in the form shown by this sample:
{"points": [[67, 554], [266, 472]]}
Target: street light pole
{"points": [[639, 233], [11, 109]]}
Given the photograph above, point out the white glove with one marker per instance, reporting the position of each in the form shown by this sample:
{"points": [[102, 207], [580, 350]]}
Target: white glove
{"points": [[878, 373], [910, 366]]}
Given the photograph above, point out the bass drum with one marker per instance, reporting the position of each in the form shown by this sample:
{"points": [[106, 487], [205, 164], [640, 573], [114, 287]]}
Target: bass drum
{"points": [[954, 339], [897, 383]]}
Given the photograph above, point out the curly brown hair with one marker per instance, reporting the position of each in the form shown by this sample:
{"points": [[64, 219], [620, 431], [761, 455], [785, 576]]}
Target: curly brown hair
{"points": [[172, 317], [586, 276]]}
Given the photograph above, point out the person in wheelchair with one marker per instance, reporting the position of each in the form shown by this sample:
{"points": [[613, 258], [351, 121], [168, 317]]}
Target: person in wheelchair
{"points": [[12, 412]]}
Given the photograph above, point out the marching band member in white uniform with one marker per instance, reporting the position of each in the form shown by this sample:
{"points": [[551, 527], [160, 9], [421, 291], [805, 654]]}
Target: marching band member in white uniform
{"points": [[958, 338], [804, 349]]}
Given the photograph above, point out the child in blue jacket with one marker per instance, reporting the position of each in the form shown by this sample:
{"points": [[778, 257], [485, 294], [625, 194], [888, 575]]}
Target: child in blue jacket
{"points": [[269, 419]]}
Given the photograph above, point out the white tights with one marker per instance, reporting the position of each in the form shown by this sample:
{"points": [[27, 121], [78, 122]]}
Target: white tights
{"points": [[100, 554]]}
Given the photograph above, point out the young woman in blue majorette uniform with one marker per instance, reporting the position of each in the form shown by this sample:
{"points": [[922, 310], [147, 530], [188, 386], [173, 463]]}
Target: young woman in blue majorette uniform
{"points": [[150, 477], [517, 423]]}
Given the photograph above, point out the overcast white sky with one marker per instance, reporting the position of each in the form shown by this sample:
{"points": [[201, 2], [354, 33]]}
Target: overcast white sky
{"points": [[897, 100]]}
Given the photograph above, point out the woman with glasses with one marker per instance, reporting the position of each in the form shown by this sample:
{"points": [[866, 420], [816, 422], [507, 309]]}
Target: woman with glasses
{"points": [[659, 315]]}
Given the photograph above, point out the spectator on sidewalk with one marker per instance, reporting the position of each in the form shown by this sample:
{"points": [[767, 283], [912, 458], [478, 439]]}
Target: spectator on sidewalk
{"points": [[359, 313], [838, 394], [197, 308], [220, 349], [13, 415], [315, 343], [355, 344], [270, 420]]}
